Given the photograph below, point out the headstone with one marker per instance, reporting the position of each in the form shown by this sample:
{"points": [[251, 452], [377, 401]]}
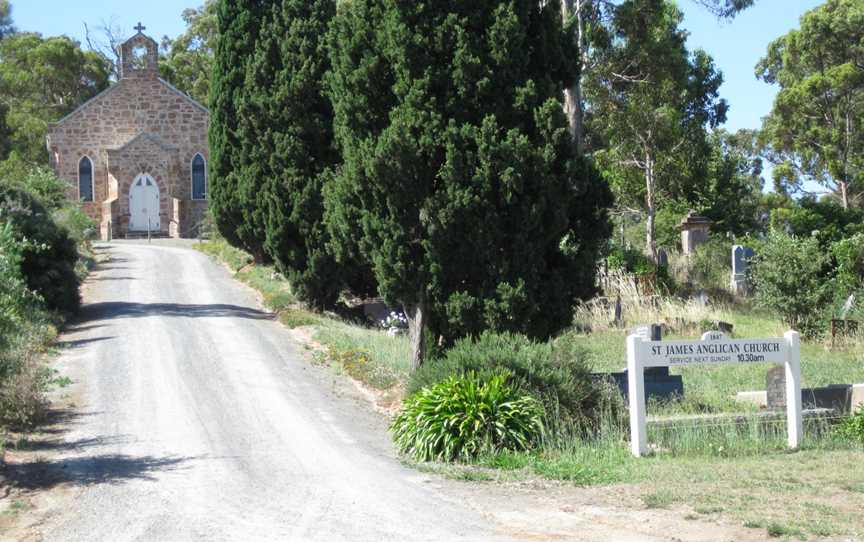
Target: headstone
{"points": [[775, 387], [619, 320], [694, 231], [741, 257], [662, 258]]}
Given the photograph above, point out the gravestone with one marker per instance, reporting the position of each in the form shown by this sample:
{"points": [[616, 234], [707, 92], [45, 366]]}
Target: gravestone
{"points": [[741, 257], [662, 258], [694, 232], [775, 387]]}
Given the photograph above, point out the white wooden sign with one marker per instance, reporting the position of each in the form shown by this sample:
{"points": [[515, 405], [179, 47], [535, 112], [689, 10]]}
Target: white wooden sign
{"points": [[713, 349]]}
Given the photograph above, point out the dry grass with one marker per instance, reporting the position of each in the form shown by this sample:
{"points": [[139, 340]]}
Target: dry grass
{"points": [[639, 305]]}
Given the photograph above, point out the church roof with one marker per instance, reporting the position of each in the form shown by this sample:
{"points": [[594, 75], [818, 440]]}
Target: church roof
{"points": [[149, 137], [108, 90]]}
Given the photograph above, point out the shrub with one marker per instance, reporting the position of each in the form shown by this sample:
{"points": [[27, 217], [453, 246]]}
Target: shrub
{"points": [[852, 428], [48, 261], [467, 415], [789, 275], [711, 266], [554, 373]]}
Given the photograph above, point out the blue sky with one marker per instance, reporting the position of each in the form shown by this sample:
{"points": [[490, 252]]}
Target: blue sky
{"points": [[736, 46]]}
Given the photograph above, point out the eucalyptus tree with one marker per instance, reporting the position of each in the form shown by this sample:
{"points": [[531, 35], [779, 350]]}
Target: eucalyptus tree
{"points": [[586, 19], [815, 130], [650, 103]]}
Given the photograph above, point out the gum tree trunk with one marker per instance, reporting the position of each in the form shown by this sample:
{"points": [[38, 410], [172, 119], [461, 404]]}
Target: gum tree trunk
{"points": [[573, 94], [651, 205]]}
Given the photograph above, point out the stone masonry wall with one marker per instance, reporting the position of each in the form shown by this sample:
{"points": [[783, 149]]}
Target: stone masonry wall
{"points": [[140, 103]]}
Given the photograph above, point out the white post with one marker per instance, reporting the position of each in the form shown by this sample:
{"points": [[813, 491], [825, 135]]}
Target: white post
{"points": [[794, 420], [636, 394]]}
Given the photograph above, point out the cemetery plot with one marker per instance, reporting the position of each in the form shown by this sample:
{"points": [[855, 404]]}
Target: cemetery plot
{"points": [[714, 348]]}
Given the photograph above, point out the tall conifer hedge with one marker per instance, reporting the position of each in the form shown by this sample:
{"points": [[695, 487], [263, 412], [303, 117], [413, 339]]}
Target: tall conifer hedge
{"points": [[460, 184]]}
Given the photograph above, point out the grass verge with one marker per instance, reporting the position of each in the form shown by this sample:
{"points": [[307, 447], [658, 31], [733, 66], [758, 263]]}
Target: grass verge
{"points": [[739, 468]]}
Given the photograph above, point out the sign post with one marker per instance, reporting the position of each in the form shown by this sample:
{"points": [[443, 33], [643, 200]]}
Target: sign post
{"points": [[714, 349]]}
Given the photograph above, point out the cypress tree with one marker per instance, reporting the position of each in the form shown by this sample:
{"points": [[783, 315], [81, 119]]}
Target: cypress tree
{"points": [[233, 185], [461, 185], [293, 151]]}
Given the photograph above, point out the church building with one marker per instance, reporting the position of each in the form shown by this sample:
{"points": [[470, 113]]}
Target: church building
{"points": [[136, 155]]}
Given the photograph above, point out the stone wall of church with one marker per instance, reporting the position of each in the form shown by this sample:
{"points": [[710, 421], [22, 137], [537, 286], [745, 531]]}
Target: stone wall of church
{"points": [[136, 104]]}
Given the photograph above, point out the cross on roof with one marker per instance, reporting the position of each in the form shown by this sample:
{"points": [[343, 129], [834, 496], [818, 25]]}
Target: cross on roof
{"points": [[140, 28]]}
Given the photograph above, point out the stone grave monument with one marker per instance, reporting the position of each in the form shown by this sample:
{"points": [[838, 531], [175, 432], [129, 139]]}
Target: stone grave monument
{"points": [[741, 257], [694, 232]]}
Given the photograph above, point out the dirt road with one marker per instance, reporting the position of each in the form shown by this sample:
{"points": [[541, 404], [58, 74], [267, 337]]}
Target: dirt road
{"points": [[197, 418]]}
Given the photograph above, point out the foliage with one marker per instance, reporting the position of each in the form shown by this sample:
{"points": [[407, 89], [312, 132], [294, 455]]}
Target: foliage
{"points": [[234, 186], [731, 195], [650, 103], [42, 80], [24, 332], [789, 275], [553, 372], [460, 184], [464, 416], [48, 260], [288, 134], [188, 62], [848, 256], [6, 26], [629, 260], [852, 428], [814, 130], [824, 218], [710, 267]]}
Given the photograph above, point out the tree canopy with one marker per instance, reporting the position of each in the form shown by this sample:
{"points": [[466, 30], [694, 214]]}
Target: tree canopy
{"points": [[42, 80], [460, 183], [815, 130], [188, 59]]}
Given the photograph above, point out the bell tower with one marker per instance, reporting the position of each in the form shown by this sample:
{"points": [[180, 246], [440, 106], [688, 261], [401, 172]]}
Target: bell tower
{"points": [[139, 56]]}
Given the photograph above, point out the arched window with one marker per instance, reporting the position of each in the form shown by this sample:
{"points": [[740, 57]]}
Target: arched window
{"points": [[199, 178], [85, 180]]}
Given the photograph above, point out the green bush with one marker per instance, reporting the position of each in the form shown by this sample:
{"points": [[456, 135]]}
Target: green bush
{"points": [[554, 373], [464, 416], [629, 260], [710, 267], [48, 261], [790, 275], [852, 428]]}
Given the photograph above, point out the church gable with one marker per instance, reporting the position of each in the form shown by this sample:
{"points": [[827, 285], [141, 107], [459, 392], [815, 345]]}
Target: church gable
{"points": [[141, 125]]}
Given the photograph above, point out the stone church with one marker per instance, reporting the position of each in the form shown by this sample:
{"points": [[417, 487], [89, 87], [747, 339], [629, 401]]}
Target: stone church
{"points": [[135, 156]]}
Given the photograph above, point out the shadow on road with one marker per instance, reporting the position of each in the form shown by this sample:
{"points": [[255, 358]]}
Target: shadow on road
{"points": [[117, 309], [81, 342], [89, 470], [103, 279]]}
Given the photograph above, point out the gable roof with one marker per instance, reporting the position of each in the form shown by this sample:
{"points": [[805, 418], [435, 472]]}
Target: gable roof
{"points": [[108, 90], [156, 140]]}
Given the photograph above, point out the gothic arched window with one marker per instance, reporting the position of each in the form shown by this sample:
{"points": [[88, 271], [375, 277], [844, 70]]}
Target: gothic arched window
{"points": [[199, 178], [85, 180]]}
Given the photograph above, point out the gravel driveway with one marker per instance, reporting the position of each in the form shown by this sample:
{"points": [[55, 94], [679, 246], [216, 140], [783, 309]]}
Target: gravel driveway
{"points": [[194, 416]]}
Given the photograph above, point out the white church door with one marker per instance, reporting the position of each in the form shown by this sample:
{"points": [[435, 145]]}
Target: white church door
{"points": [[144, 204]]}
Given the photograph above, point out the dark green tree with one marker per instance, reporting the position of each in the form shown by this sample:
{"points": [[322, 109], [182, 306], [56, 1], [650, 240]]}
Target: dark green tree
{"points": [[234, 186], [461, 185], [291, 121]]}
